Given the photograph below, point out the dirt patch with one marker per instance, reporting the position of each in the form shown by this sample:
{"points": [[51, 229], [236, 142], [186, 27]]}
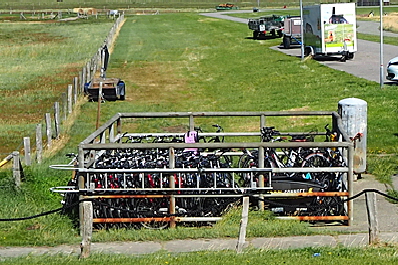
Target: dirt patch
{"points": [[154, 82], [52, 86]]}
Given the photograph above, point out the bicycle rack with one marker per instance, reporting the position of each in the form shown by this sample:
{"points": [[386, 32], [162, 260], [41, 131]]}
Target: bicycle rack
{"points": [[116, 199]]}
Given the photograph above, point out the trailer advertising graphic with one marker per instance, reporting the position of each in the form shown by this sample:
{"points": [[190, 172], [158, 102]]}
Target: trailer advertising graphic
{"points": [[330, 28]]}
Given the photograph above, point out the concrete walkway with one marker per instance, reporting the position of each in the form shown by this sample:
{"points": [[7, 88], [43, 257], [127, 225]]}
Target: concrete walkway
{"points": [[192, 245]]}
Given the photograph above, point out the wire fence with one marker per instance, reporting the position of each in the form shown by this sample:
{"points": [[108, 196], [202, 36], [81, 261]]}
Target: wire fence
{"points": [[41, 139]]}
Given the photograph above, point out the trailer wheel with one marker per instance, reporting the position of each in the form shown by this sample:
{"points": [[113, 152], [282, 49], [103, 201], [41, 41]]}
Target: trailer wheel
{"points": [[307, 52], [255, 34], [286, 42]]}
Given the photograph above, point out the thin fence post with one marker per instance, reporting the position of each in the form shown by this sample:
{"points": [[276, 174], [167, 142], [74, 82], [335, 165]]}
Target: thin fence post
{"points": [[75, 89], [49, 132], [26, 144], [39, 144], [87, 228], [88, 70], [172, 209], [81, 81], [16, 169], [69, 98], [56, 118], [84, 77], [261, 177], [243, 225], [64, 106], [371, 206]]}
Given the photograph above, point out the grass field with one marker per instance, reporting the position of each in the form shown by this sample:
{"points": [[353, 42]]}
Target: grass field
{"points": [[40, 60], [187, 62], [178, 4]]}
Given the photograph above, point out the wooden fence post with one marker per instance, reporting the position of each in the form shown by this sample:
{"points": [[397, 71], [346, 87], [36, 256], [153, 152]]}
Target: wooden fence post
{"points": [[69, 98], [172, 209], [75, 89], [99, 106], [64, 106], [243, 225], [16, 169], [88, 70], [49, 131], [39, 144], [57, 121], [84, 77], [87, 228], [371, 206], [26, 144], [81, 81]]}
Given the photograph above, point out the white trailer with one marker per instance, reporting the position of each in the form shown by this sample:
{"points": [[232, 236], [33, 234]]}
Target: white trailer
{"points": [[330, 30]]}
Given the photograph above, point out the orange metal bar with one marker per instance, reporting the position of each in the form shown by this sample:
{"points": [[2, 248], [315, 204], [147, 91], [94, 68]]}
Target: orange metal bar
{"points": [[126, 196], [310, 194], [314, 218], [131, 220]]}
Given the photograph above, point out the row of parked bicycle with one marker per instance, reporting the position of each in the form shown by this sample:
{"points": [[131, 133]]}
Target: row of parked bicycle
{"points": [[208, 193]]}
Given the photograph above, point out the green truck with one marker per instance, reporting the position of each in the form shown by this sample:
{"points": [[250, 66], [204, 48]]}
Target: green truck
{"points": [[266, 26]]}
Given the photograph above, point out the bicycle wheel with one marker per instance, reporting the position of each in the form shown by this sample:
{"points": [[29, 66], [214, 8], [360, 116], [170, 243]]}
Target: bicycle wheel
{"points": [[153, 207], [328, 206]]}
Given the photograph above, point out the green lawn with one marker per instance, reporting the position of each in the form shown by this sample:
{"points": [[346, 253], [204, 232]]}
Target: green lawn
{"points": [[188, 62]]}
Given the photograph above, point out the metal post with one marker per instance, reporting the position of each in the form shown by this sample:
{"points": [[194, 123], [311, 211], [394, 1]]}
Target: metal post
{"points": [[302, 30], [172, 209], [261, 177], [381, 46], [262, 124], [350, 183]]}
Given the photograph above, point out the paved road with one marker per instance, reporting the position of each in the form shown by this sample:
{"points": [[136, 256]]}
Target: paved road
{"points": [[366, 63]]}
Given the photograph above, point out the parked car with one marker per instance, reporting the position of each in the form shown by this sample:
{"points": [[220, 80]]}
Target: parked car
{"points": [[392, 70]]}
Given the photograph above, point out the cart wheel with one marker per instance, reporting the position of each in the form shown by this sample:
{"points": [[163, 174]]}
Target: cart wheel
{"points": [[255, 35], [286, 42], [350, 56], [307, 52], [280, 34]]}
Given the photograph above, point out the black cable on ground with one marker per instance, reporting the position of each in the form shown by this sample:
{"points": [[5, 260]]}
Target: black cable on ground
{"points": [[43, 213], [265, 200]]}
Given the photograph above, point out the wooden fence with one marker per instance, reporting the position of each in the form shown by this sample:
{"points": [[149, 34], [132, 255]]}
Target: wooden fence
{"points": [[61, 111]]}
